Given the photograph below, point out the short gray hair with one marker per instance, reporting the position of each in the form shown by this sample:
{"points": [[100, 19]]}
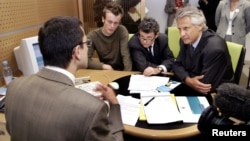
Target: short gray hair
{"points": [[196, 15]]}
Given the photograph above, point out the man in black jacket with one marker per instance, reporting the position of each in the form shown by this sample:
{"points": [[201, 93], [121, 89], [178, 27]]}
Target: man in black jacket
{"points": [[149, 49], [204, 61]]}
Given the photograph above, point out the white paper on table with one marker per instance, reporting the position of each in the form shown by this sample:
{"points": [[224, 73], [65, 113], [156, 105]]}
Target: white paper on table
{"points": [[146, 83], [162, 109], [185, 108], [130, 109]]}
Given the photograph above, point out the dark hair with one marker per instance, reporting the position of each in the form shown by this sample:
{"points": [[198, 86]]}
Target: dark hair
{"points": [[57, 39], [98, 7], [149, 25], [127, 4], [114, 8]]}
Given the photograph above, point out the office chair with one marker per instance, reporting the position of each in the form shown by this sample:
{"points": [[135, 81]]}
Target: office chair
{"points": [[130, 35], [173, 40], [237, 53]]}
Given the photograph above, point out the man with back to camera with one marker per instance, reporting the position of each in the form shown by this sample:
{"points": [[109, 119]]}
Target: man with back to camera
{"points": [[110, 41], [204, 61], [47, 107], [149, 49]]}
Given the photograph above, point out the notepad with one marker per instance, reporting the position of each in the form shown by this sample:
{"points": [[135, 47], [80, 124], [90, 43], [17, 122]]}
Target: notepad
{"points": [[161, 110]]}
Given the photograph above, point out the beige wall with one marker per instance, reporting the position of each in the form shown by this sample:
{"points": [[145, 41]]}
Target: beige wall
{"points": [[22, 18]]}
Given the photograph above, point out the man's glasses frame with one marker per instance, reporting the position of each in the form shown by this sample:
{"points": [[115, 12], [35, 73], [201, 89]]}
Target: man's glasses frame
{"points": [[88, 43], [143, 39]]}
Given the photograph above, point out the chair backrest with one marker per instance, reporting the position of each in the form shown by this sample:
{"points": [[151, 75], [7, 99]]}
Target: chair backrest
{"points": [[130, 35], [237, 53], [173, 40]]}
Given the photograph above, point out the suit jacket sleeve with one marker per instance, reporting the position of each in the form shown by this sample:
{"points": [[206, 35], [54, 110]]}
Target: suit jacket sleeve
{"points": [[106, 129], [166, 55], [179, 67], [210, 59]]}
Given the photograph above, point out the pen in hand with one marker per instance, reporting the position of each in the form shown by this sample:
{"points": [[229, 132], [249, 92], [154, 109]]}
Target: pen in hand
{"points": [[149, 101]]}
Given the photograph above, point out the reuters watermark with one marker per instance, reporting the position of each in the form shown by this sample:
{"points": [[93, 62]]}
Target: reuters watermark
{"points": [[228, 133]]}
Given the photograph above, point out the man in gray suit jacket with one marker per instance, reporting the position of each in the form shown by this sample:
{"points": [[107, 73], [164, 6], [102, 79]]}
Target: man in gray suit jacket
{"points": [[47, 107]]}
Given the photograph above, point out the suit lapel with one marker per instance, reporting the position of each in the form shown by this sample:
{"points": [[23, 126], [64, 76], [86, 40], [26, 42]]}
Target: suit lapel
{"points": [[227, 10], [238, 9]]}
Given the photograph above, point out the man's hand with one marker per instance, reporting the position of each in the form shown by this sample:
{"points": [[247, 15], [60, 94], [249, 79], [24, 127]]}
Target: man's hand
{"points": [[106, 67], [197, 85], [107, 94], [150, 71]]}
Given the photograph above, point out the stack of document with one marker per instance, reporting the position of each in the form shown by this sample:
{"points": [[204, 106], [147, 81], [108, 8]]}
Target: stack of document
{"points": [[160, 108], [157, 105]]}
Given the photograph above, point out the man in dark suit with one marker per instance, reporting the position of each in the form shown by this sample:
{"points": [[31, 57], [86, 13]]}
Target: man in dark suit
{"points": [[47, 107], [149, 49], [204, 61]]}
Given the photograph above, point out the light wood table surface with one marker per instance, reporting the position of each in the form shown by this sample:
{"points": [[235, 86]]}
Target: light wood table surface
{"points": [[106, 76]]}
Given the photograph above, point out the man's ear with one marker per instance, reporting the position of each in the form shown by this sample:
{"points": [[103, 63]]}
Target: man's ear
{"points": [[76, 53]]}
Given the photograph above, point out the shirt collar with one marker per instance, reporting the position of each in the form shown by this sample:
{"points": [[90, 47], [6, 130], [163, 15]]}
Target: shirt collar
{"points": [[63, 71], [195, 44]]}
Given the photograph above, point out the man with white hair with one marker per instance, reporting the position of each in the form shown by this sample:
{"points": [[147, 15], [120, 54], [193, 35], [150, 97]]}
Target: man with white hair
{"points": [[204, 61]]}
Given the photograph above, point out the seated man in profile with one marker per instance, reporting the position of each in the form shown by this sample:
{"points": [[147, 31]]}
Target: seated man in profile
{"points": [[149, 49], [110, 41], [204, 61]]}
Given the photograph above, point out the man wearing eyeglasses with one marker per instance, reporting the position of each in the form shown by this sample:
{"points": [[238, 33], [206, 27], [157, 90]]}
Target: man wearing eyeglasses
{"points": [[149, 49], [46, 106], [110, 41]]}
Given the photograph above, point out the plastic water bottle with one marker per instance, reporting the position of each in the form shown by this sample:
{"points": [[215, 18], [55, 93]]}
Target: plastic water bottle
{"points": [[7, 72]]}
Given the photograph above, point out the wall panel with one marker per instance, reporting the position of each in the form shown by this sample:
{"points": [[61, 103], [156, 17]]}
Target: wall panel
{"points": [[22, 18]]}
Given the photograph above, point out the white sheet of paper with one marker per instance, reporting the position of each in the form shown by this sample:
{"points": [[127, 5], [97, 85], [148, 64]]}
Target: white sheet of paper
{"points": [[130, 109], [146, 83], [162, 109], [186, 111]]}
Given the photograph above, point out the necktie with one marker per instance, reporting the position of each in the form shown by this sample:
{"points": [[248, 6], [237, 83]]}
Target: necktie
{"points": [[150, 53], [191, 50]]}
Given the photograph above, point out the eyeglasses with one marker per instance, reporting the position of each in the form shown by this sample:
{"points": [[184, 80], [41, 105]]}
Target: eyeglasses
{"points": [[149, 39], [88, 42]]}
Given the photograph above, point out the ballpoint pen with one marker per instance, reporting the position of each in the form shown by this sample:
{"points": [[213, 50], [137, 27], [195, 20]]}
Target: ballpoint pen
{"points": [[149, 101]]}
